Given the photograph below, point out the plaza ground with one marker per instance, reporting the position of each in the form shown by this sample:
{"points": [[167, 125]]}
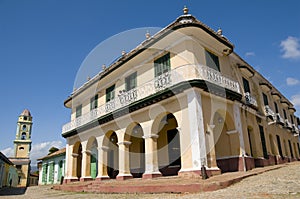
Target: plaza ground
{"points": [[279, 181]]}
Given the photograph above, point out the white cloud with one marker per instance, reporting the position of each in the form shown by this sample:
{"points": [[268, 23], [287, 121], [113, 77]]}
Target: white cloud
{"points": [[42, 149], [292, 81], [295, 99], [248, 54], [38, 150], [8, 152], [290, 48]]}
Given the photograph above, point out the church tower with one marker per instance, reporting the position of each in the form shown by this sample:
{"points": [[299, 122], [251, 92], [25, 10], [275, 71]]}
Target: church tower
{"points": [[22, 143], [22, 146]]}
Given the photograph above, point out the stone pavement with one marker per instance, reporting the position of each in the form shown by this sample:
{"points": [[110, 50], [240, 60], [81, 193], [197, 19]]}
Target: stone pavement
{"points": [[279, 181]]}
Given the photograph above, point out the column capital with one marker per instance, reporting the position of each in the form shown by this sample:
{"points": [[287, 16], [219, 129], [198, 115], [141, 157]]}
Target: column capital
{"points": [[105, 148], [87, 152], [155, 136], [126, 143], [75, 155]]}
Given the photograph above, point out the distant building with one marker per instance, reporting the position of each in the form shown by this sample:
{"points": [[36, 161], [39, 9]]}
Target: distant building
{"points": [[33, 179], [52, 167], [181, 101], [22, 148], [8, 173]]}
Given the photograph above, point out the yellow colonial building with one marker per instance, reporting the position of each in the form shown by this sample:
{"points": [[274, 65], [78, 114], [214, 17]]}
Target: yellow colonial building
{"points": [[180, 101]]}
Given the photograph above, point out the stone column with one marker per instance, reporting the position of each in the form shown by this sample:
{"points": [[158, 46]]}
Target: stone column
{"points": [[85, 166], [70, 174], [151, 157], [238, 127], [196, 135], [102, 163], [124, 169]]}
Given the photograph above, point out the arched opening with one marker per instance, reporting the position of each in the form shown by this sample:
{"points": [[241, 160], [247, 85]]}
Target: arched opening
{"points": [[111, 142], [168, 145], [77, 160], [134, 134], [23, 136], [227, 145], [92, 157]]}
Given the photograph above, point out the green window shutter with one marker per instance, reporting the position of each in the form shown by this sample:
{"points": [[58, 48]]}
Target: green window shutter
{"points": [[212, 61], [162, 65], [44, 176], [110, 93], [51, 173], [78, 111], [94, 102], [131, 81]]}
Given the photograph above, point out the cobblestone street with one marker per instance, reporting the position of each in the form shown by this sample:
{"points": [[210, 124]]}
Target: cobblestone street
{"points": [[279, 183]]}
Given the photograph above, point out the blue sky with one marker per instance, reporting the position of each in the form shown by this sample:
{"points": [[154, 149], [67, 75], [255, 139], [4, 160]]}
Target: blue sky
{"points": [[44, 42]]}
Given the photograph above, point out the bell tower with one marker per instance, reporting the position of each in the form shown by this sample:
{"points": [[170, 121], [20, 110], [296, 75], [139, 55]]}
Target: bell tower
{"points": [[22, 146], [22, 143]]}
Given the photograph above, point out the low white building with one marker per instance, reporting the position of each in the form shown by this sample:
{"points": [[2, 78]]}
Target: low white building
{"points": [[52, 170]]}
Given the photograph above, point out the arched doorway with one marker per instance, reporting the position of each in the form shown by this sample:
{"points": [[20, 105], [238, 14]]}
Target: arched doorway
{"points": [[77, 160], [168, 145], [227, 145], [92, 157], [134, 134], [112, 155]]}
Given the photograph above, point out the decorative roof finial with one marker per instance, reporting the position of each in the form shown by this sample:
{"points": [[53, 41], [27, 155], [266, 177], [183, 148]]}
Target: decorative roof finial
{"points": [[123, 52], [220, 32], [147, 35], [103, 67], [185, 10], [88, 78]]}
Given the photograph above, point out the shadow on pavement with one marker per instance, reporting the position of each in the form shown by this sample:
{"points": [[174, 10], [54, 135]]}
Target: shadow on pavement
{"points": [[10, 191]]}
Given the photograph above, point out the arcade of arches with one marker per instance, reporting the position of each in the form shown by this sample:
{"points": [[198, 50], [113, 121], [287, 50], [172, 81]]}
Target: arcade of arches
{"points": [[166, 143]]}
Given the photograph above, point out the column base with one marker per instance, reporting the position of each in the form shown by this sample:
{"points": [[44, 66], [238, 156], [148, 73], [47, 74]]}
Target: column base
{"points": [[85, 179], [237, 163], [124, 177], [151, 175], [70, 180], [101, 178], [197, 173]]}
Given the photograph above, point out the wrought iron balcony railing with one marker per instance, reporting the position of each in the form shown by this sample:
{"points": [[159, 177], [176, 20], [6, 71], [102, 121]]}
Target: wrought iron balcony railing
{"points": [[295, 129], [287, 124], [269, 112], [279, 119], [166, 80], [250, 99]]}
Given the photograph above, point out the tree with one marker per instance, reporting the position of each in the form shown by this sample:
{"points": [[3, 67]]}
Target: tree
{"points": [[52, 150]]}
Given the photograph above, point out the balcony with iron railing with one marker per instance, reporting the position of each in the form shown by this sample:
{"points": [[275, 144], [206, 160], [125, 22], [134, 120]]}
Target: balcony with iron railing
{"points": [[295, 129], [180, 74], [250, 99], [279, 119], [269, 112], [287, 124]]}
